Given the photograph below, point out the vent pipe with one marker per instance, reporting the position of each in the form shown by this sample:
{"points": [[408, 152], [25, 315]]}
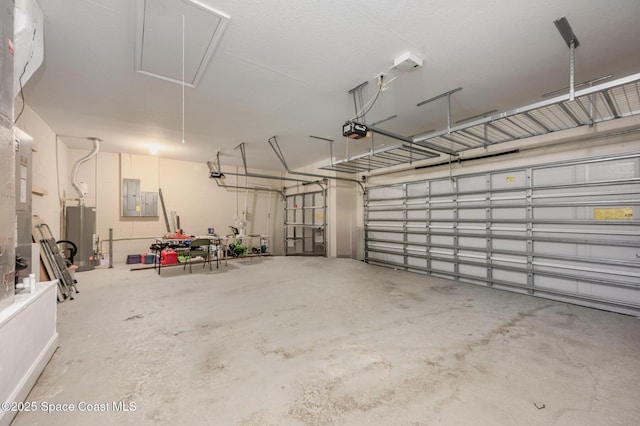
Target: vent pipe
{"points": [[76, 166]]}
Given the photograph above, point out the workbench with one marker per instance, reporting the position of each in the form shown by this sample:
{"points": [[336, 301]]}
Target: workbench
{"points": [[218, 246]]}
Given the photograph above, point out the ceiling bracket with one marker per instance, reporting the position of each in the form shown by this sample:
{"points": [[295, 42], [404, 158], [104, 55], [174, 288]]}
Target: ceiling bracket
{"points": [[244, 155], [358, 100], [572, 71], [330, 146], [442, 95], [572, 42]]}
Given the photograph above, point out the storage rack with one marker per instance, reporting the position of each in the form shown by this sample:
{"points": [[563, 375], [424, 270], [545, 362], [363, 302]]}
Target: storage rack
{"points": [[603, 102]]}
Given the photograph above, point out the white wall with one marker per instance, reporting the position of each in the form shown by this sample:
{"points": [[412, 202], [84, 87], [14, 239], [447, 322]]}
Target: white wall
{"points": [[186, 187], [187, 190], [342, 220]]}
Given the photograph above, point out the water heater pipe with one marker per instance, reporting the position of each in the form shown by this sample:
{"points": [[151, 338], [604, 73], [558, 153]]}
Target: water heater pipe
{"points": [[76, 166]]}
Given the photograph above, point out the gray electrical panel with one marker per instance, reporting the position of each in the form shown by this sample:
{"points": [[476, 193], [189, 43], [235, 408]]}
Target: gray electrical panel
{"points": [[7, 157], [131, 197], [149, 203], [136, 203]]}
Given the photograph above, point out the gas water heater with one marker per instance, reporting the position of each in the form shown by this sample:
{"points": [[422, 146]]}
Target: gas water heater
{"points": [[81, 229]]}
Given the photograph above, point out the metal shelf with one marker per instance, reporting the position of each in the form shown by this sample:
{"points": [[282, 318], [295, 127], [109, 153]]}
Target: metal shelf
{"points": [[600, 103], [382, 157]]}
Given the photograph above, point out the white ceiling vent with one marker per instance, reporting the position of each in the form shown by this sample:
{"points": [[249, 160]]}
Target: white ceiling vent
{"points": [[160, 36]]}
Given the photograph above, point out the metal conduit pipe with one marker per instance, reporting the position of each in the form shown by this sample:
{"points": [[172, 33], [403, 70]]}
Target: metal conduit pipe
{"points": [[273, 142], [259, 175], [248, 187], [243, 153]]}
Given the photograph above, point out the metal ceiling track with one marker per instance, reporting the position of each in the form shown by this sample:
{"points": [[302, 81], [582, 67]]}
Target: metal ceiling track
{"points": [[273, 142], [599, 103], [216, 168]]}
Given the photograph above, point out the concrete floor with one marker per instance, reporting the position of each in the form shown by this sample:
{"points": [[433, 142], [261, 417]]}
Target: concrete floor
{"points": [[293, 341]]}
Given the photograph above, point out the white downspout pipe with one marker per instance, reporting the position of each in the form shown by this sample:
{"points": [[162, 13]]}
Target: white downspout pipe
{"points": [[76, 167]]}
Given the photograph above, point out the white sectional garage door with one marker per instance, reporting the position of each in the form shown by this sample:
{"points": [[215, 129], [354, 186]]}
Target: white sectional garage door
{"points": [[566, 231]]}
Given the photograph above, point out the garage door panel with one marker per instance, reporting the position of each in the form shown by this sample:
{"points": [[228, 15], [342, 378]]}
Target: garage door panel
{"points": [[508, 179], [437, 265], [386, 236], [556, 213], [472, 255], [442, 214], [509, 214], [558, 284], [381, 215], [386, 257], [415, 249], [472, 242], [611, 170], [555, 248], [567, 231], [386, 192], [519, 278], [416, 238], [472, 270], [418, 215], [467, 214], [625, 295], [472, 183], [472, 229], [442, 240], [417, 189], [416, 262], [511, 245], [441, 186], [549, 176]]}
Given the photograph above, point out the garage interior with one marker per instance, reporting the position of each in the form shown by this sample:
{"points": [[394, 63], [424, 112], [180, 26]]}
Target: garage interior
{"points": [[320, 213]]}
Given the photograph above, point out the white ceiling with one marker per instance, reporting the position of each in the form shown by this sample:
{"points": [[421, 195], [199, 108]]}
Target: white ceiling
{"points": [[284, 67]]}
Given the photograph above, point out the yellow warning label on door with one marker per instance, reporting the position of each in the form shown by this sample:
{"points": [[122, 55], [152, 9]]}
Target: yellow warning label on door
{"points": [[319, 216], [621, 213], [511, 178]]}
